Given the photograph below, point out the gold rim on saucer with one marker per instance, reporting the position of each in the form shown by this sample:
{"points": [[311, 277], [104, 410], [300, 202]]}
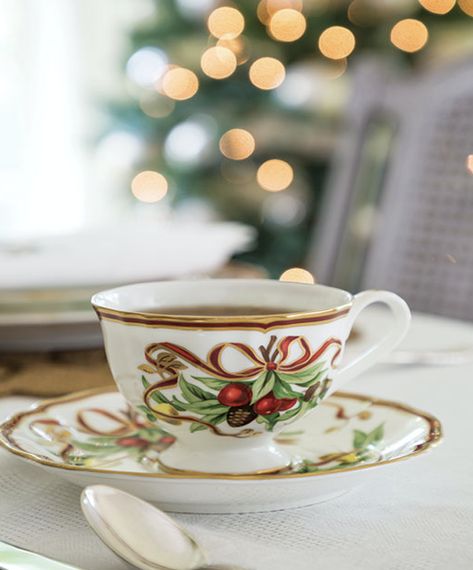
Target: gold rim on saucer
{"points": [[7, 441]]}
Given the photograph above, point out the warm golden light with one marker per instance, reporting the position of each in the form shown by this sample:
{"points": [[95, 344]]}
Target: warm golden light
{"points": [[466, 6], [149, 186], [226, 22], [238, 46], [287, 25], [275, 175], [273, 6], [409, 35], [297, 275], [267, 8], [180, 83], [469, 163], [267, 73], [157, 107], [237, 144], [218, 62], [438, 6], [337, 42]]}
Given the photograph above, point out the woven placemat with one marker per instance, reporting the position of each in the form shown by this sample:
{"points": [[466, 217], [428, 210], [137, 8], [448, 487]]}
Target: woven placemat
{"points": [[53, 374]]}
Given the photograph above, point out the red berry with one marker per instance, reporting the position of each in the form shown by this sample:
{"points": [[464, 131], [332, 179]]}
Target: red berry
{"points": [[132, 442], [267, 405], [235, 395], [287, 403]]}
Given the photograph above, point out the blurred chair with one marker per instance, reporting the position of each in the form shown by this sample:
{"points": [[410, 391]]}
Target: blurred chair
{"points": [[398, 210]]}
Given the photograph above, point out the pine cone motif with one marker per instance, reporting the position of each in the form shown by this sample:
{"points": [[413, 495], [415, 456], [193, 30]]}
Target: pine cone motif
{"points": [[240, 416]]}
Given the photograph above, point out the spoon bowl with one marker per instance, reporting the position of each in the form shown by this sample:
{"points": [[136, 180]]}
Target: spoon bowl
{"points": [[140, 533]]}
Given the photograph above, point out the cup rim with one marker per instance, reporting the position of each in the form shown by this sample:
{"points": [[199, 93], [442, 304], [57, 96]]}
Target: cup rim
{"points": [[106, 308]]}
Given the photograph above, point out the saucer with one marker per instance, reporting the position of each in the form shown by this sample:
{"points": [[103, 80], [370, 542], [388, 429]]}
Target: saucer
{"points": [[94, 437]]}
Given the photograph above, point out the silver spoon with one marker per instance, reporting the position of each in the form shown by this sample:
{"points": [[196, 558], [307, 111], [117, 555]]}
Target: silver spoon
{"points": [[141, 534]]}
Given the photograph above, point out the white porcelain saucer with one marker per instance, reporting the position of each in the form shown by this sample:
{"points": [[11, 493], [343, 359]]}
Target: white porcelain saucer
{"points": [[94, 437]]}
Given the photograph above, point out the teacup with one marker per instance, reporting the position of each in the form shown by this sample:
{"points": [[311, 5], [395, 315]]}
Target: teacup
{"points": [[225, 385]]}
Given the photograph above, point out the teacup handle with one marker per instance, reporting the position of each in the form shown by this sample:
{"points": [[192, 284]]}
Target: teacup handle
{"points": [[396, 332]]}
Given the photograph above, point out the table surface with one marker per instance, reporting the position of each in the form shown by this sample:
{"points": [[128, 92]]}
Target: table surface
{"points": [[416, 515]]}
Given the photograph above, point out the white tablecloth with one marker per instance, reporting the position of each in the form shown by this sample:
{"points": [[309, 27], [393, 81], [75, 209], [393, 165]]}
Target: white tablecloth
{"points": [[417, 515]]}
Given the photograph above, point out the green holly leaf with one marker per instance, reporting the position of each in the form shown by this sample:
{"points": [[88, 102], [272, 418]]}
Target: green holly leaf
{"points": [[180, 406], [317, 378], [270, 420], [98, 448], [197, 427], [283, 389], [304, 376], [263, 385], [285, 416], [144, 382], [193, 393], [214, 419], [208, 407], [212, 383], [361, 440]]}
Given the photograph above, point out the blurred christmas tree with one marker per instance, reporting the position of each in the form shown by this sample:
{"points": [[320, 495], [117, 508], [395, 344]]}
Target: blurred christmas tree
{"points": [[238, 103]]}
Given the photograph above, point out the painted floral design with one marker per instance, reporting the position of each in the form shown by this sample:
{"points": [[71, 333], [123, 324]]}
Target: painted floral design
{"points": [[274, 388], [132, 436]]}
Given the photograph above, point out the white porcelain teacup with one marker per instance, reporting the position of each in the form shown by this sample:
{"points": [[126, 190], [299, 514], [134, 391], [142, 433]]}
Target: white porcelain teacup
{"points": [[224, 385]]}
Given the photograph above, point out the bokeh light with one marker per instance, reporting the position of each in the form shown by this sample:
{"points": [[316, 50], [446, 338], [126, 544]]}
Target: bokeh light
{"points": [[195, 9], [287, 25], [180, 83], [120, 149], [267, 8], [275, 175], [239, 46], [149, 186], [469, 163], [409, 35], [284, 209], [157, 106], [218, 62], [188, 143], [267, 73], [297, 275], [237, 144], [146, 66], [226, 22], [438, 6], [466, 6], [337, 42]]}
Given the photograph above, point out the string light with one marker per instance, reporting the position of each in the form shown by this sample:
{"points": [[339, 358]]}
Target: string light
{"points": [[226, 22], [409, 35], [267, 73], [297, 275], [180, 83], [466, 6], [237, 144], [337, 42], [438, 6], [275, 175], [149, 186], [287, 25]]}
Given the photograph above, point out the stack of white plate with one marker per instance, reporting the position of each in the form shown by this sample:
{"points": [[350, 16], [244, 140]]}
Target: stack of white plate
{"points": [[45, 286]]}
